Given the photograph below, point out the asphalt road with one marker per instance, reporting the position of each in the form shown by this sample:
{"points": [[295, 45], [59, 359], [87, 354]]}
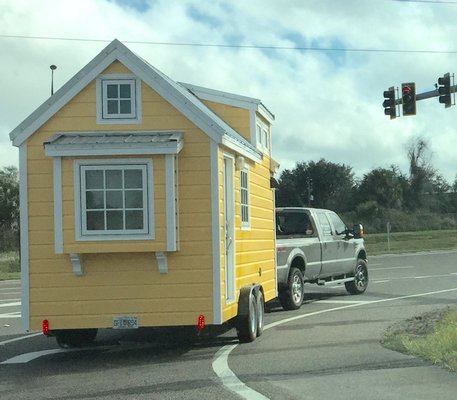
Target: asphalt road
{"points": [[329, 349]]}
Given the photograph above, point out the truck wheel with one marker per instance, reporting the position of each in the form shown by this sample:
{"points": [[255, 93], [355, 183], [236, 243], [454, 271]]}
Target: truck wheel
{"points": [[260, 309], [246, 329], [75, 337], [360, 283], [291, 297]]}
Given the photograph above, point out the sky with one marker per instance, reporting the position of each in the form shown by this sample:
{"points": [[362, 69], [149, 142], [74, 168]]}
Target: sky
{"points": [[320, 66]]}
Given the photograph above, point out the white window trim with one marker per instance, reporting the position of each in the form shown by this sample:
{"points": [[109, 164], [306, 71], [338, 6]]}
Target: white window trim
{"points": [[136, 117], [149, 232], [262, 144], [245, 225]]}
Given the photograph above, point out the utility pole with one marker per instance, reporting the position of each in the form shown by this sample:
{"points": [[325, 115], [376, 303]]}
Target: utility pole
{"points": [[53, 68]]}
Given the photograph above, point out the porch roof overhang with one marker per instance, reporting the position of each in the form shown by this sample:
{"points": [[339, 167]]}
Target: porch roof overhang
{"points": [[113, 143]]}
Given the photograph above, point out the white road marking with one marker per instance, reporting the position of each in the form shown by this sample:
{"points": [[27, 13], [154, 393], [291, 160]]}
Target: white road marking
{"points": [[16, 303], [229, 379], [342, 302], [25, 358], [232, 382], [382, 281], [402, 267], [20, 338]]}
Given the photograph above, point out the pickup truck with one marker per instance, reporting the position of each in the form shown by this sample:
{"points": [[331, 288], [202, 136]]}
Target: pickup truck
{"points": [[315, 246]]}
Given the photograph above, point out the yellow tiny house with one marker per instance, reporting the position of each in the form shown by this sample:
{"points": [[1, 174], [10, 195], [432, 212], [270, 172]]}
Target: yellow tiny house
{"points": [[144, 202]]}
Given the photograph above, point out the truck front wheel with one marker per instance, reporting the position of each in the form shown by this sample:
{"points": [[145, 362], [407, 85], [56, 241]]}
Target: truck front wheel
{"points": [[360, 282], [291, 297]]}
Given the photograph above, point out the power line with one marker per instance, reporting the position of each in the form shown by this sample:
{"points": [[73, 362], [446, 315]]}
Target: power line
{"points": [[427, 1], [239, 46]]}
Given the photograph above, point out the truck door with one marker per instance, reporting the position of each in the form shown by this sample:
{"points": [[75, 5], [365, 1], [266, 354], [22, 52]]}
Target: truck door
{"points": [[345, 248], [329, 246]]}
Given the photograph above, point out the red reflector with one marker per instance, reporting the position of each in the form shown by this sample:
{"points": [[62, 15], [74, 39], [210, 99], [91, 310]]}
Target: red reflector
{"points": [[45, 327], [201, 322]]}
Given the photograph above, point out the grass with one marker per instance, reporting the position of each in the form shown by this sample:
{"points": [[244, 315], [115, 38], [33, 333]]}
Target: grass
{"points": [[439, 346], [403, 242], [10, 267]]}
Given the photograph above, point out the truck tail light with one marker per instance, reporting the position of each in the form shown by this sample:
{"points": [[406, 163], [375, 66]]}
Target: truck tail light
{"points": [[45, 327]]}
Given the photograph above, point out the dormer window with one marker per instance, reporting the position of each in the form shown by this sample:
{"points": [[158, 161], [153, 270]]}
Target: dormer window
{"points": [[262, 136], [118, 99]]}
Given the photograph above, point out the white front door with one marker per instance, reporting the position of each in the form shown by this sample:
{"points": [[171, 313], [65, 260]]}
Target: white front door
{"points": [[229, 227]]}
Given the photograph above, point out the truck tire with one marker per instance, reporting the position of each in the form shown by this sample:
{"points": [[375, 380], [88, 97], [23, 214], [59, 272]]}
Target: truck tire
{"points": [[291, 297], [360, 282], [247, 325], [75, 337]]}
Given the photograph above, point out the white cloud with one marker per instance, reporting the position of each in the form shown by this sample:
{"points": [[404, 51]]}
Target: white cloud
{"points": [[327, 103]]}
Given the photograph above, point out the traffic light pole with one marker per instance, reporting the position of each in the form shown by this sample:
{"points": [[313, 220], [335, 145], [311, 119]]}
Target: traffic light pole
{"points": [[427, 95]]}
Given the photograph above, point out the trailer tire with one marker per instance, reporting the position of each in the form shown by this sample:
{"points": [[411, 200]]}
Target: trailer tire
{"points": [[247, 325], [260, 309], [291, 296], [75, 337]]}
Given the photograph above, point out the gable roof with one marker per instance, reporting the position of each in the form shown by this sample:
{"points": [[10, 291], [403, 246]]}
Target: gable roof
{"points": [[177, 95]]}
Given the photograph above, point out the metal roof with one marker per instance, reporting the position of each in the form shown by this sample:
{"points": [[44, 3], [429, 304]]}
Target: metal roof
{"points": [[114, 143]]}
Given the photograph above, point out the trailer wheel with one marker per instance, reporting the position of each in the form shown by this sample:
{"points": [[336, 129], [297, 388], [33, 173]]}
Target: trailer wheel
{"points": [[260, 309], [247, 324], [75, 337], [291, 297]]}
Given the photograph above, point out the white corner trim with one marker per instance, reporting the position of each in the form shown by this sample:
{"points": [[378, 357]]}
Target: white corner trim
{"points": [[162, 263], [216, 233], [58, 213], [171, 202], [78, 267], [24, 225]]}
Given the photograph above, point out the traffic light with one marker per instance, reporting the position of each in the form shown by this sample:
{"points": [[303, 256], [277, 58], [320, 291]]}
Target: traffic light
{"points": [[389, 103], [408, 97], [445, 90]]}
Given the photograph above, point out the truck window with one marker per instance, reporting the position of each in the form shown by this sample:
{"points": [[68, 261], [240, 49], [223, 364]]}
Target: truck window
{"points": [[292, 223], [325, 224], [338, 224]]}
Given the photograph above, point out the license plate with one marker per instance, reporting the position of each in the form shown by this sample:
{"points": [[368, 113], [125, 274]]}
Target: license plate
{"points": [[126, 322]]}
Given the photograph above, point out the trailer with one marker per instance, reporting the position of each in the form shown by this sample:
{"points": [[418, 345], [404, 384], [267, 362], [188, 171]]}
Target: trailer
{"points": [[144, 203]]}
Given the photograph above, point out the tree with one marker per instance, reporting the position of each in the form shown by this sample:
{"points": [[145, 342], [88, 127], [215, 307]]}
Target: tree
{"points": [[9, 198], [384, 186], [329, 185], [421, 171]]}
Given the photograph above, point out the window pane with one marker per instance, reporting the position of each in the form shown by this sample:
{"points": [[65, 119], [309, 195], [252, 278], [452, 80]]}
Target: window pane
{"points": [[114, 179], [94, 179], [113, 107], [133, 178], [134, 199], [95, 200], [95, 220], [134, 220], [112, 91], [114, 220], [125, 91], [114, 199], [126, 106]]}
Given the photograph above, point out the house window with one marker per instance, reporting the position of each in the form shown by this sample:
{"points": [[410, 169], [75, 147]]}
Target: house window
{"points": [[118, 99], [244, 200], [115, 201], [263, 137]]}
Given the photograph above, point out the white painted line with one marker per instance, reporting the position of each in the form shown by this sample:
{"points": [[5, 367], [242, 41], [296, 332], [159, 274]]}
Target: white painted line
{"points": [[403, 267], [20, 338], [383, 281], [231, 381], [425, 276], [25, 358], [16, 303], [341, 302]]}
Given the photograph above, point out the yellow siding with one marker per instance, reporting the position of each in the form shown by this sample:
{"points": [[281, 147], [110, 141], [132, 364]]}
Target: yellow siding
{"points": [[237, 118], [121, 277]]}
